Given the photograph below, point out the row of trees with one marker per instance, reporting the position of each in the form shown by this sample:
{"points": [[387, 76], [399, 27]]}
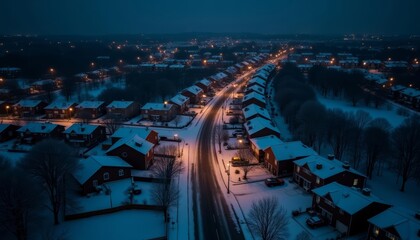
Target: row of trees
{"points": [[355, 137], [346, 85]]}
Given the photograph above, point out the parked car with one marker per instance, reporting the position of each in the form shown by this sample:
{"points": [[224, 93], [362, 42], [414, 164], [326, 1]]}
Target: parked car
{"points": [[270, 182], [315, 221], [237, 161]]}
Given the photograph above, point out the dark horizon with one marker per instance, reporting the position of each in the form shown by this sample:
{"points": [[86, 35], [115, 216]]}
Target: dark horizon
{"points": [[323, 17]]}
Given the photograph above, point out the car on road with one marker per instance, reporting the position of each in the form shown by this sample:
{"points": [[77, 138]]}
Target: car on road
{"points": [[270, 182], [315, 221]]}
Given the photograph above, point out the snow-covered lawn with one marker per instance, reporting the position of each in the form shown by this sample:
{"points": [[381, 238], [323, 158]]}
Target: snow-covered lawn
{"points": [[178, 122], [129, 224]]}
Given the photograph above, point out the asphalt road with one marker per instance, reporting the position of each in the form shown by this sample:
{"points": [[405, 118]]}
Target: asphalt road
{"points": [[216, 220]]}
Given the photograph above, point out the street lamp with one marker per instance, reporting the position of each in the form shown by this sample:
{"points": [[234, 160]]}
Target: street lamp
{"points": [[70, 112], [228, 173], [176, 138]]}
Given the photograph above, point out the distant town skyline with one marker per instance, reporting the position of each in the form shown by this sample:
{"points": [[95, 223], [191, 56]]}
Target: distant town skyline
{"points": [[97, 17]]}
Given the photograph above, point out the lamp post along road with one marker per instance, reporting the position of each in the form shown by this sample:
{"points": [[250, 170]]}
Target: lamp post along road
{"points": [[228, 173]]}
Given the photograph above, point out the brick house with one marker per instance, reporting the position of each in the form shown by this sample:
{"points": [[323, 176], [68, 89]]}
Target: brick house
{"points": [[36, 131], [60, 110], [239, 67], [29, 108], [345, 208], [90, 109], [181, 103], [204, 84], [164, 112], [135, 150], [258, 145], [7, 132], [97, 170], [394, 224], [254, 98], [194, 93], [279, 158], [260, 127], [315, 171], [84, 135], [123, 109]]}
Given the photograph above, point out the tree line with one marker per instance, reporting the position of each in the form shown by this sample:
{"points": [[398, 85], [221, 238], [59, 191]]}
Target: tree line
{"points": [[368, 144]]}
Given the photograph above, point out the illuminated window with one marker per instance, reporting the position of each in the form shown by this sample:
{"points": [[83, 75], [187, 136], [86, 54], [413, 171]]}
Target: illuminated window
{"points": [[355, 182], [318, 180], [297, 169]]}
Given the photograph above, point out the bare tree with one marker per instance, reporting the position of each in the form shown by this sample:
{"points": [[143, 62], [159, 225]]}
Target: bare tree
{"points": [[340, 128], [112, 123], [406, 140], [166, 168], [376, 142], [69, 86], [19, 199], [219, 137], [361, 119], [268, 219], [50, 162], [245, 155]]}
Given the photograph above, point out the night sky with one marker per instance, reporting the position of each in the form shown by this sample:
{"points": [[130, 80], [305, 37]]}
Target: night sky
{"points": [[174, 16]]}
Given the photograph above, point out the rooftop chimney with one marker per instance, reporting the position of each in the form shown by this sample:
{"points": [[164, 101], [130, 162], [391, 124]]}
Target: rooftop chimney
{"points": [[318, 166], [346, 165], [330, 156], [366, 191]]}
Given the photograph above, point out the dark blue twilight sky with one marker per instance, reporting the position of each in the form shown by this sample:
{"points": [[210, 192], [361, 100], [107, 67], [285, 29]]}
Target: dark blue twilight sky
{"points": [[173, 16]]}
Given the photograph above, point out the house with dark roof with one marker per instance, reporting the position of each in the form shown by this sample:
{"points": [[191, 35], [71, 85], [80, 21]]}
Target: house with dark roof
{"points": [[97, 170], [35, 131], [90, 109], [29, 108], [136, 151], [194, 93], [257, 81], [7, 132], [123, 109], [60, 110], [180, 102], [279, 158], [315, 171], [260, 127], [143, 132], [164, 112], [256, 89], [394, 224], [345, 208], [85, 135]]}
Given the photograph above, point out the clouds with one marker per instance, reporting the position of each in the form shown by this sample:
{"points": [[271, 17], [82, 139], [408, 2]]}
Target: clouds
{"points": [[170, 16]]}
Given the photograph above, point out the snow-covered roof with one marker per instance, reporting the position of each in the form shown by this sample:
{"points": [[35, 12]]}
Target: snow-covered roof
{"points": [[43, 82], [37, 127], [253, 110], [323, 167], [291, 150], [135, 142], [257, 124], [92, 164], [254, 95], [263, 143], [81, 128], [161, 65], [347, 199], [128, 131], [147, 65], [59, 105], [177, 66], [28, 103], [90, 104], [205, 82], [179, 99], [397, 88], [256, 89], [119, 104], [157, 106], [238, 65], [3, 126], [257, 80], [262, 74], [219, 76], [231, 70], [411, 92], [194, 90], [245, 63], [406, 226]]}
